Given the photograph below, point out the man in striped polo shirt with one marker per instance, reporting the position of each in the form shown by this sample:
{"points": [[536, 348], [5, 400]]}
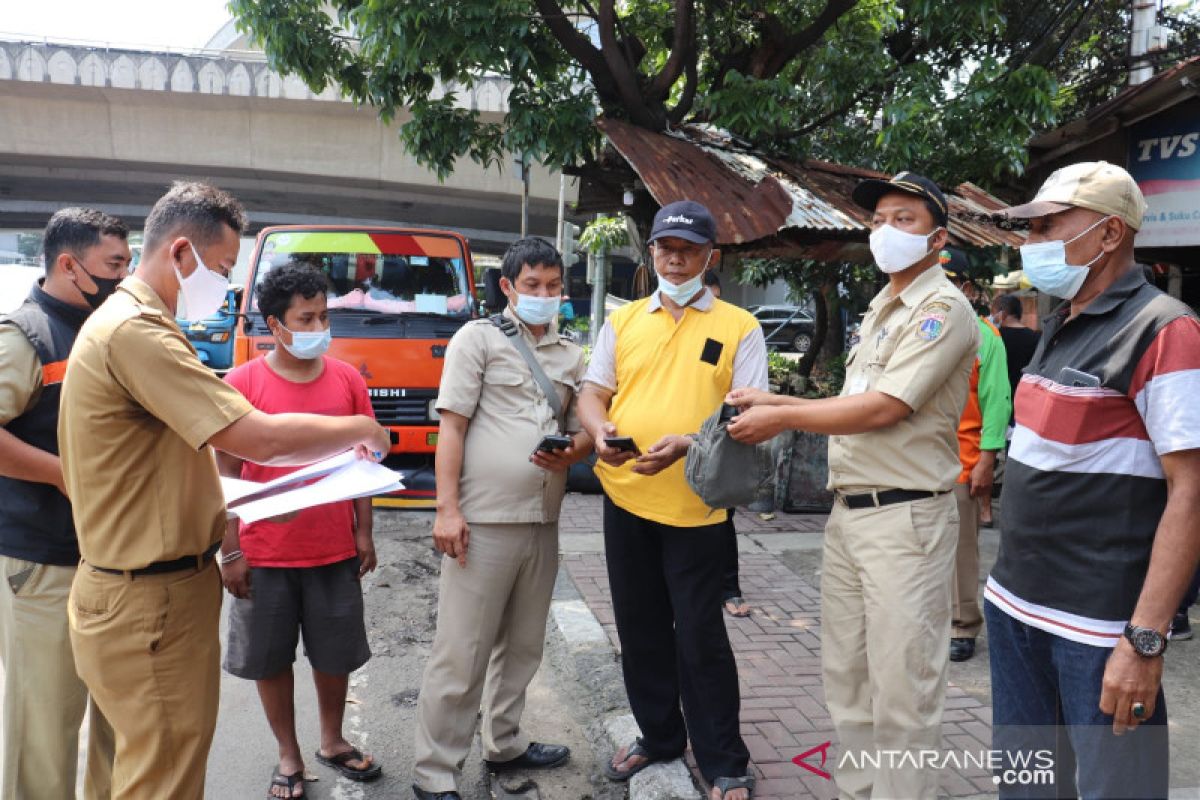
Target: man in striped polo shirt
{"points": [[1101, 500]]}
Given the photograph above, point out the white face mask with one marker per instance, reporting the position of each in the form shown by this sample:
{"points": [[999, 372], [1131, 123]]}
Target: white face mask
{"points": [[683, 292], [1045, 265], [307, 345], [895, 250], [203, 291], [536, 310]]}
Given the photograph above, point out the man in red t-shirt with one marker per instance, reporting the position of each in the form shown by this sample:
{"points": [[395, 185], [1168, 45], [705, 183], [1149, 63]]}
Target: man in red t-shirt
{"points": [[299, 573]]}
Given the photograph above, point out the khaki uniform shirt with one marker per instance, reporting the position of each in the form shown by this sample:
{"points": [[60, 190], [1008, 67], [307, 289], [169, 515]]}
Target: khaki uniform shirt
{"points": [[919, 348], [486, 379], [137, 410], [20, 374]]}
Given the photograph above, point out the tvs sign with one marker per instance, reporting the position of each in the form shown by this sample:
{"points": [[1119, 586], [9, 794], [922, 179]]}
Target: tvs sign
{"points": [[1164, 158]]}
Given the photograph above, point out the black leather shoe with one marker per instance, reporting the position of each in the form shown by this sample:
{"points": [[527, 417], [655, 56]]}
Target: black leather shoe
{"points": [[961, 649], [424, 795], [536, 756]]}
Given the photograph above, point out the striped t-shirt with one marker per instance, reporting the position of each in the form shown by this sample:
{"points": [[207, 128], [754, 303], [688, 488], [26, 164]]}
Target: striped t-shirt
{"points": [[1106, 395]]}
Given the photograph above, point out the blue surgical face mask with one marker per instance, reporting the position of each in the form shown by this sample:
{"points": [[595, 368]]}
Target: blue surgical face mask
{"points": [[683, 292], [534, 310], [307, 344], [1045, 264]]}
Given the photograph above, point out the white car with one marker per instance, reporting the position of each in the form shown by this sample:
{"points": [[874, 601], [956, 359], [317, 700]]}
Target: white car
{"points": [[15, 282]]}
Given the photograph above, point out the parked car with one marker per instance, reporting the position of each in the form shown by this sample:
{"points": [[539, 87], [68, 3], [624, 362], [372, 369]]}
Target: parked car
{"points": [[785, 327], [213, 336]]}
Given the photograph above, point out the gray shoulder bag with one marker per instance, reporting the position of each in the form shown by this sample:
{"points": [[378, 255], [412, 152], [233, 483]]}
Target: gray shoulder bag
{"points": [[510, 329]]}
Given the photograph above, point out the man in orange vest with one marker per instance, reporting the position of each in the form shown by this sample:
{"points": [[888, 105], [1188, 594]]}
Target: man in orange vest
{"points": [[981, 434]]}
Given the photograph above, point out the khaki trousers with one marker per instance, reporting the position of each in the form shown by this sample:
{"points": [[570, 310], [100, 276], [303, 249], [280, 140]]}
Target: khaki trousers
{"points": [[491, 626], [148, 650], [966, 617], [885, 621], [44, 699]]}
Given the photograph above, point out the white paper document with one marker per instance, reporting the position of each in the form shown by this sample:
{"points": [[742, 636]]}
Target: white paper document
{"points": [[343, 477]]}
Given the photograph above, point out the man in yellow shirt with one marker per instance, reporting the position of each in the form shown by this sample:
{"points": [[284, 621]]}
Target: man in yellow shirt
{"points": [[659, 368]]}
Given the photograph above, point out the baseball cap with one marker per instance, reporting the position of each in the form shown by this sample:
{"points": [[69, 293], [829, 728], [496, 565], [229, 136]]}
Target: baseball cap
{"points": [[684, 219], [868, 192], [954, 264], [1095, 185]]}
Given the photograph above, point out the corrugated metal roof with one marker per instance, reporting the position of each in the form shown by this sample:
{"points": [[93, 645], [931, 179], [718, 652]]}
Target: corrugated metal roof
{"points": [[757, 199], [1173, 85]]}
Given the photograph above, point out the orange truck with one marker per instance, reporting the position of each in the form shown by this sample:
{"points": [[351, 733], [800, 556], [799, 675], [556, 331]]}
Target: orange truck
{"points": [[396, 296]]}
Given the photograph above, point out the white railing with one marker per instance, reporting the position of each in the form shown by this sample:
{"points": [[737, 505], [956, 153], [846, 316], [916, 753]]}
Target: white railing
{"points": [[240, 73]]}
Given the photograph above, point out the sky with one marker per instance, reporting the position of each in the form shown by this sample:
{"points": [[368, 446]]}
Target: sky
{"points": [[161, 23]]}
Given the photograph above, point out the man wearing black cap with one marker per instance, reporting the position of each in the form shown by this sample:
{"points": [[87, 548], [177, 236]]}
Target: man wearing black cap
{"points": [[893, 461], [660, 367]]}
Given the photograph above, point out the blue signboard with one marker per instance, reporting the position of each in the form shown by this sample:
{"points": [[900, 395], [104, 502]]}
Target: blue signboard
{"points": [[1164, 158]]}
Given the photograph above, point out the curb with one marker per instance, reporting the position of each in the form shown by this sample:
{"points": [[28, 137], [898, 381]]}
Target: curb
{"points": [[588, 644]]}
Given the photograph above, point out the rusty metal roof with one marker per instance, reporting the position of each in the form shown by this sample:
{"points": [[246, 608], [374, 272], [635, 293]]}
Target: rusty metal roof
{"points": [[764, 203]]}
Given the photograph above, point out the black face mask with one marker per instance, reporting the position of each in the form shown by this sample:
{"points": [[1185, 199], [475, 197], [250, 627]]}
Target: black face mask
{"points": [[104, 288]]}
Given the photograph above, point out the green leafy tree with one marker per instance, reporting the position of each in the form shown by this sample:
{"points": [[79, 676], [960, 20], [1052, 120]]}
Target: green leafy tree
{"points": [[953, 87]]}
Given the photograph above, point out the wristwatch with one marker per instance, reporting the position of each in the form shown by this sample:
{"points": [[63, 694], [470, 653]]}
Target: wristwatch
{"points": [[1146, 642]]}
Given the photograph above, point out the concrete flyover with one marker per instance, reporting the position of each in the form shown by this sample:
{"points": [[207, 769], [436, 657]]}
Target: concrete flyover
{"points": [[112, 128]]}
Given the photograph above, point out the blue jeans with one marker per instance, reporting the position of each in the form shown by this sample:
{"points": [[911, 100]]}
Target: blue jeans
{"points": [[1046, 714]]}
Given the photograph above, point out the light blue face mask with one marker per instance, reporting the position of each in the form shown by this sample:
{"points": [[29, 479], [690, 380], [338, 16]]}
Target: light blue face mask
{"points": [[307, 344], [683, 292], [534, 310], [1045, 265]]}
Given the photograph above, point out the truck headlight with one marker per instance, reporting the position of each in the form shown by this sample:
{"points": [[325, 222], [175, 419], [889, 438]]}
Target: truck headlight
{"points": [[432, 412], [220, 337]]}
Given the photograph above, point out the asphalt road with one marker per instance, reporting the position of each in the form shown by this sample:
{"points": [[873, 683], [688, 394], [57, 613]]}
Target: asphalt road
{"points": [[401, 601]]}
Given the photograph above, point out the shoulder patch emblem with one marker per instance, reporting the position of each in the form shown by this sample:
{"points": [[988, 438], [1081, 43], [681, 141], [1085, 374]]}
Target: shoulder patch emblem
{"points": [[930, 326], [936, 307]]}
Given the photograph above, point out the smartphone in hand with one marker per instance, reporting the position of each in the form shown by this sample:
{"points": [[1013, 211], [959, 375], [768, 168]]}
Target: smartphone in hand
{"points": [[549, 444], [623, 443]]}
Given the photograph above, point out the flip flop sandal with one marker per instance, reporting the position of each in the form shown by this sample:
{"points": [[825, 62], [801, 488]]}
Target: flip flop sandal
{"points": [[634, 750], [290, 781], [737, 600], [726, 785], [339, 762]]}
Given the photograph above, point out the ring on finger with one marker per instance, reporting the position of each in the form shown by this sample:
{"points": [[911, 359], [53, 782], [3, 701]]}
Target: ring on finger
{"points": [[1138, 709]]}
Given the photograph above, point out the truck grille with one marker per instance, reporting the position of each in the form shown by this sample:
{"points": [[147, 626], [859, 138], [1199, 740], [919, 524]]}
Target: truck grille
{"points": [[402, 406]]}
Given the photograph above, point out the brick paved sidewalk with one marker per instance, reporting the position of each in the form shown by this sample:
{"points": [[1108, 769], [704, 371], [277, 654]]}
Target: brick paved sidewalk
{"points": [[779, 665]]}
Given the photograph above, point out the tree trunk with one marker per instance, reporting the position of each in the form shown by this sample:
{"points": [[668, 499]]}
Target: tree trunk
{"points": [[809, 359], [834, 337]]}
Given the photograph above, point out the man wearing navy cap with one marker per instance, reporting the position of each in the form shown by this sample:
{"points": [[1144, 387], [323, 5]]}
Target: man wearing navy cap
{"points": [[893, 461], [660, 367]]}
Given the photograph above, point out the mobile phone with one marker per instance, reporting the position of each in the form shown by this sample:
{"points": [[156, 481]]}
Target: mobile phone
{"points": [[1074, 377], [549, 444], [623, 443], [728, 412]]}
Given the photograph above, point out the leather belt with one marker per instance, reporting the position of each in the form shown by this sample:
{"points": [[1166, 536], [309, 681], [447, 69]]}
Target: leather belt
{"points": [[159, 567], [887, 497]]}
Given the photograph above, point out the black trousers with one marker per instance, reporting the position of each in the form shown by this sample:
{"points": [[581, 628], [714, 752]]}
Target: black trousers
{"points": [[666, 593], [730, 587]]}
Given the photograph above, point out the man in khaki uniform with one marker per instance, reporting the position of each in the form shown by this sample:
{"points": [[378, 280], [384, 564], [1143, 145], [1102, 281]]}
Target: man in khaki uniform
{"points": [[138, 411], [893, 461], [86, 255], [498, 500]]}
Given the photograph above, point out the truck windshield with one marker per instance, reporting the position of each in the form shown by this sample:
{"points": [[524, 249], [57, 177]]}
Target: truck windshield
{"points": [[377, 272]]}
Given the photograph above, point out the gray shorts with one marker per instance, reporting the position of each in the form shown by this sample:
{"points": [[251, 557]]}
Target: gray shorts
{"points": [[324, 603]]}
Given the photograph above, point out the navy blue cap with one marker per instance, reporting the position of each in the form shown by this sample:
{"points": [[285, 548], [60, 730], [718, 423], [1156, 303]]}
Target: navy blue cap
{"points": [[685, 219], [868, 192]]}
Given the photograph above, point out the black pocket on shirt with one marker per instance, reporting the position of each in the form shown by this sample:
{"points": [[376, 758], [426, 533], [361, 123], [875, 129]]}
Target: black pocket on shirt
{"points": [[711, 353]]}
